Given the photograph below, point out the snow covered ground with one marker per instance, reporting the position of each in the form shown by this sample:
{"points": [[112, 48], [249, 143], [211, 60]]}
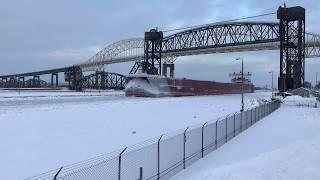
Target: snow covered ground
{"points": [[284, 145], [40, 131]]}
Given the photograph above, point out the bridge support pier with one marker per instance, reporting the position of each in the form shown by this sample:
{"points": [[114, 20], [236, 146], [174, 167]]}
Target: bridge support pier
{"points": [[5, 82], [35, 82], [23, 82], [165, 70], [2, 83], [292, 47], [74, 78], [54, 76]]}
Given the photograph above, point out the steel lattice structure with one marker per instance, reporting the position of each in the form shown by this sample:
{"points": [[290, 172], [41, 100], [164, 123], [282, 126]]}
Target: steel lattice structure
{"points": [[217, 38], [120, 51], [292, 47], [104, 80], [312, 45], [208, 39], [201, 40]]}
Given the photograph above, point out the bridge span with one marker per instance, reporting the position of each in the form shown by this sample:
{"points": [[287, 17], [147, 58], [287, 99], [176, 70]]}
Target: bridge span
{"points": [[157, 50], [131, 51]]}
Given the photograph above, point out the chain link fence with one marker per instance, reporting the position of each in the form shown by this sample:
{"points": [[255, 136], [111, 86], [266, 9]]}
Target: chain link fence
{"points": [[164, 156]]}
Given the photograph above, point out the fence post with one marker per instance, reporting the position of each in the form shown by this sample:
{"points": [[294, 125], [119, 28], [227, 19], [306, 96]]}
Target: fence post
{"points": [[140, 173], [234, 124], [202, 139], [255, 114], [273, 106], [241, 121], [184, 147], [266, 110], [226, 128], [158, 174], [216, 140], [56, 175], [119, 168], [261, 112], [251, 117], [246, 119]]}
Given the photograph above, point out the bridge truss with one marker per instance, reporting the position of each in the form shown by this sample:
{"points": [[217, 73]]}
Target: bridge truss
{"points": [[208, 39], [133, 49], [104, 80], [122, 51]]}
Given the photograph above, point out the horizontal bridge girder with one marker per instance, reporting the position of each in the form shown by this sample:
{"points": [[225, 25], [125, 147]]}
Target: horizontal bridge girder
{"points": [[104, 80], [221, 35], [215, 38]]}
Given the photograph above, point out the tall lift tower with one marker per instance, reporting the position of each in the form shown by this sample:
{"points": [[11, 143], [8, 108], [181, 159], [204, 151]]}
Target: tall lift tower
{"points": [[152, 52], [292, 47]]}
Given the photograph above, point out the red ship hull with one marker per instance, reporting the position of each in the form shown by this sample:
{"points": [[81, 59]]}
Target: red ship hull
{"points": [[156, 86]]}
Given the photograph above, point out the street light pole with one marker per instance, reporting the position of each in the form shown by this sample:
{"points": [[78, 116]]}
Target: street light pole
{"points": [[272, 83], [317, 78], [242, 81]]}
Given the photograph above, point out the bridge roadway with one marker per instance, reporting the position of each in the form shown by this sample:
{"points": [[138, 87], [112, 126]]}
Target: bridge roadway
{"points": [[36, 73], [139, 57], [311, 52], [210, 39], [215, 38]]}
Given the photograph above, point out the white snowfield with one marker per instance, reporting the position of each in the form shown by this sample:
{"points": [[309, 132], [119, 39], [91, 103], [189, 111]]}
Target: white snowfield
{"points": [[40, 131], [282, 146]]}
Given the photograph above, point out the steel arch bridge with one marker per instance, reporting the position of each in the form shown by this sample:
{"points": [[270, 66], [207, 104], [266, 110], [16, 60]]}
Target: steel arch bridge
{"points": [[120, 51], [210, 39], [207, 39]]}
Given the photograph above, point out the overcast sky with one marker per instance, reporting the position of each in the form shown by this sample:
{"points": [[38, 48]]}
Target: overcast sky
{"points": [[43, 34]]}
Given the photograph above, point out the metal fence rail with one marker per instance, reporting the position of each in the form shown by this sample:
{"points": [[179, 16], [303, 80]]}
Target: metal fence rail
{"points": [[164, 156]]}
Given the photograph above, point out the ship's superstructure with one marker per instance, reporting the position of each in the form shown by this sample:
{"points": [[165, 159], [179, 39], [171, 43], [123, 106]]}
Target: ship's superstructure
{"points": [[237, 77]]}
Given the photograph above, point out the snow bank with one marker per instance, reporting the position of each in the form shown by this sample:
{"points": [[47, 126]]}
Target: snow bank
{"points": [[15, 95], [42, 133], [284, 145], [299, 160], [299, 101]]}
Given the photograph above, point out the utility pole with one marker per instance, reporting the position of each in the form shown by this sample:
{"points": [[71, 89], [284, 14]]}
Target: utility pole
{"points": [[317, 78], [242, 81]]}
